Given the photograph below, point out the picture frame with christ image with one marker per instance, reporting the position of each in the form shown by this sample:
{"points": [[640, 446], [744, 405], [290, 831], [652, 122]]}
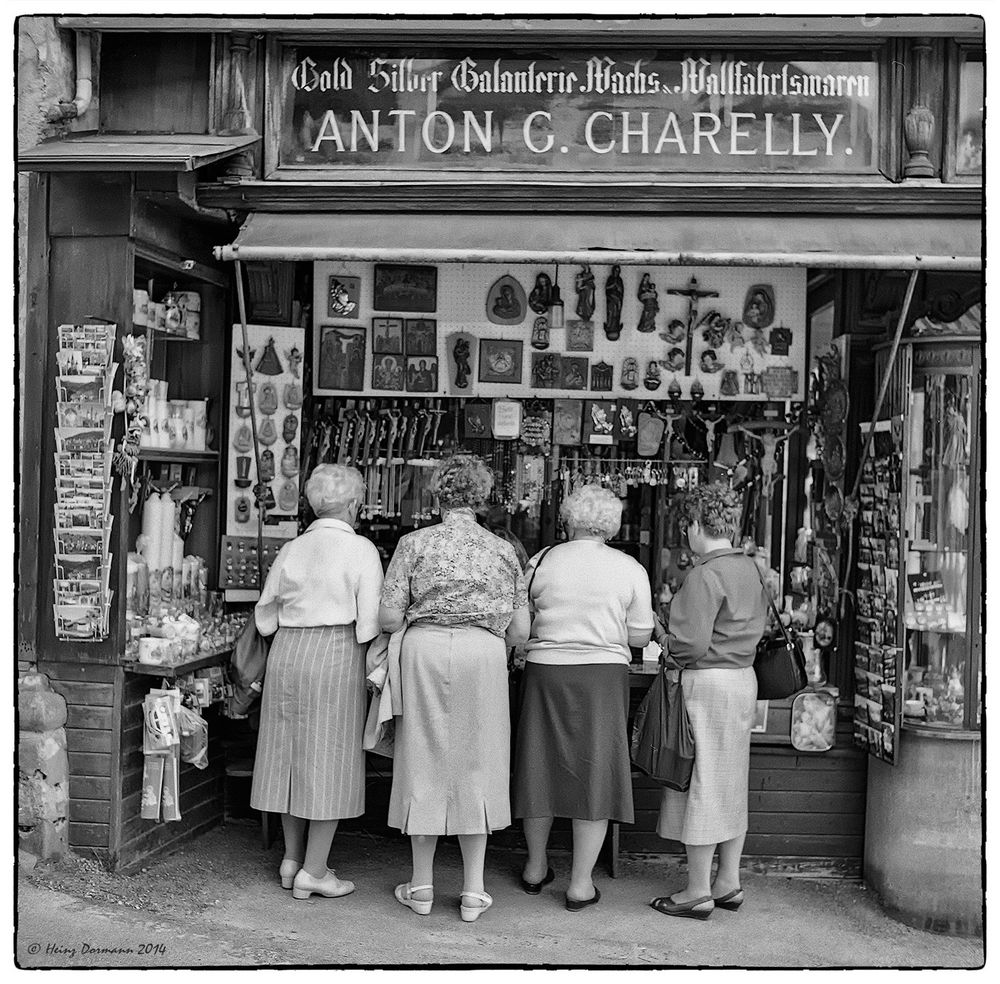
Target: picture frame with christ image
{"points": [[421, 374], [421, 336], [340, 359], [387, 336], [401, 287], [387, 371]]}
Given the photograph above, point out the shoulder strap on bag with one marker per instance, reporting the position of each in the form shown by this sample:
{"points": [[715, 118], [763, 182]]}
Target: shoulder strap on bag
{"points": [[774, 609], [538, 564]]}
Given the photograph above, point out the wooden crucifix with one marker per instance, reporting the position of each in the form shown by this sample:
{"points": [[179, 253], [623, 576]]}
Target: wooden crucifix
{"points": [[693, 294]]}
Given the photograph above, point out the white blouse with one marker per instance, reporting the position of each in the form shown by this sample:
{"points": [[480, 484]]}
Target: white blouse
{"points": [[327, 576]]}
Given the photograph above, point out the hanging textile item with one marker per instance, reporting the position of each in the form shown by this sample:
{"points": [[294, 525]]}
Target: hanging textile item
{"points": [[269, 364]]}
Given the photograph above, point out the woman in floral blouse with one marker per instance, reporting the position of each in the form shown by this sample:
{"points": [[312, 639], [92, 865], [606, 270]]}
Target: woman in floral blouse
{"points": [[460, 592]]}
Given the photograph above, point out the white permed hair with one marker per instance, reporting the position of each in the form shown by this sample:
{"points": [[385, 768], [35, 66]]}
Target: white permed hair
{"points": [[461, 480], [331, 487], [593, 510]]}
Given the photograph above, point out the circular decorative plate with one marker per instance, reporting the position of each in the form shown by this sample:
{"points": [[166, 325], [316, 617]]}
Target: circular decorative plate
{"points": [[833, 457], [836, 403], [833, 502]]}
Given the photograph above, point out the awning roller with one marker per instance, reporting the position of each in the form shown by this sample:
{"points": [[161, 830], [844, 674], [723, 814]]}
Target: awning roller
{"points": [[855, 242]]}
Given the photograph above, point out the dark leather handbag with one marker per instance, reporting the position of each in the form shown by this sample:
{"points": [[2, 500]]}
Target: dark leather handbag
{"points": [[247, 665], [779, 662], [662, 739]]}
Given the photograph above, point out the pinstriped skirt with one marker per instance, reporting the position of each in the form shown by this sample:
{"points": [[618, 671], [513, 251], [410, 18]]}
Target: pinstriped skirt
{"points": [[309, 758], [451, 763], [720, 704]]}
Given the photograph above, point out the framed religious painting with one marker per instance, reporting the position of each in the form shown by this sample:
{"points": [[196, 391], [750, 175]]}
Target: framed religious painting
{"points": [[387, 336], [420, 336], [400, 287], [340, 358], [387, 372], [500, 360], [343, 296], [421, 374]]}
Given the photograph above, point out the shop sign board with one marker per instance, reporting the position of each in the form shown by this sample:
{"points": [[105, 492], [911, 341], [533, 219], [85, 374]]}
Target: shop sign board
{"points": [[574, 111]]}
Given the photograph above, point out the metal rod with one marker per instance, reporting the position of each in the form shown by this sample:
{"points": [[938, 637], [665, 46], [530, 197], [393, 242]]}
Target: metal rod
{"points": [[622, 257], [248, 372]]}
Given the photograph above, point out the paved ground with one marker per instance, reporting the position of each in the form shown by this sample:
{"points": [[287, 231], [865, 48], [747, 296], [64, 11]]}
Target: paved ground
{"points": [[218, 903]]}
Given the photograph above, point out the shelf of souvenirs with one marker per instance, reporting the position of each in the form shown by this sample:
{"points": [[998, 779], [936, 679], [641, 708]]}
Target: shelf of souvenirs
{"points": [[177, 455], [941, 623], [214, 658]]}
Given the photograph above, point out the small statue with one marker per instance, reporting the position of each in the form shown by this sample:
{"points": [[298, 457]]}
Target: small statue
{"points": [[708, 361], [294, 357], [758, 311], [462, 368], [652, 379], [650, 304], [630, 374], [540, 298], [614, 294], [540, 333], [585, 293], [674, 389], [675, 332]]}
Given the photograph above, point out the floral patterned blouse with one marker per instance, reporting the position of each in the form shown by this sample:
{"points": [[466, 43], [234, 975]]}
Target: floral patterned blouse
{"points": [[455, 573]]}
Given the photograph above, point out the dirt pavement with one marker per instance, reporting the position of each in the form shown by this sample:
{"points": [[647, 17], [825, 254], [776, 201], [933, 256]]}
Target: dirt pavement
{"points": [[218, 903]]}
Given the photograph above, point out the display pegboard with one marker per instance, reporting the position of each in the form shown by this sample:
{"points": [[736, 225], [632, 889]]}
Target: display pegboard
{"points": [[773, 356]]}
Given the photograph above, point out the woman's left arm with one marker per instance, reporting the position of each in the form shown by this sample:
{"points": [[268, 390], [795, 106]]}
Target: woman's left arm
{"points": [[639, 614], [520, 623], [693, 611]]}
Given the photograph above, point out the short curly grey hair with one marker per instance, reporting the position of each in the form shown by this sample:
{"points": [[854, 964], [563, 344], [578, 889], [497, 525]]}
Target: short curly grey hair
{"points": [[716, 506], [463, 480], [331, 487], [592, 509]]}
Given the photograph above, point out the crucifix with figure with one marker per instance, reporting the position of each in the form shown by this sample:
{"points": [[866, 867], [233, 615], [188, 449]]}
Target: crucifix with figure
{"points": [[693, 294]]}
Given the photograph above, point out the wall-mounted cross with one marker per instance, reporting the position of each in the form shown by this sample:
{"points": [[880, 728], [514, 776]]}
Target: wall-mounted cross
{"points": [[693, 294]]}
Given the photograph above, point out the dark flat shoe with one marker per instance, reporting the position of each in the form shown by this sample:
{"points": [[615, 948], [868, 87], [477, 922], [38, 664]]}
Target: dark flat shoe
{"points": [[574, 906], [696, 909], [731, 900], [534, 888]]}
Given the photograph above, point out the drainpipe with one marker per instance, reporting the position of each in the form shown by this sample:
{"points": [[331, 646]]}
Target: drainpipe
{"points": [[84, 84]]}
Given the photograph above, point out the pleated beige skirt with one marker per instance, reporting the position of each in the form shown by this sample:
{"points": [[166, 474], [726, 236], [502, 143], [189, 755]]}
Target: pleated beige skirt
{"points": [[451, 766], [309, 758], [720, 704]]}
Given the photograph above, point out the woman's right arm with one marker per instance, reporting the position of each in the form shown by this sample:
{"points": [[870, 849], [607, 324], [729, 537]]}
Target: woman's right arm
{"points": [[520, 623], [395, 591], [693, 611], [265, 612]]}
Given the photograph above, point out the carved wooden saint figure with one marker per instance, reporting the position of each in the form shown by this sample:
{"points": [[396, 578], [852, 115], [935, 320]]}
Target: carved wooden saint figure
{"points": [[614, 294]]}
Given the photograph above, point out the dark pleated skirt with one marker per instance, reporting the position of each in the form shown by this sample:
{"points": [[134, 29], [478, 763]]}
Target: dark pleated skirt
{"points": [[572, 754]]}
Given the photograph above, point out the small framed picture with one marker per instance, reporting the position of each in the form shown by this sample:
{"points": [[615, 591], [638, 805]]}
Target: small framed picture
{"points": [[500, 360], [421, 374], [387, 372], [387, 336], [400, 287], [546, 370], [478, 421], [579, 336], [421, 336], [575, 372], [341, 359], [342, 296]]}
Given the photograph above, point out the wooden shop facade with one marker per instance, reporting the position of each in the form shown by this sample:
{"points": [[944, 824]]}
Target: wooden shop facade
{"points": [[646, 253]]}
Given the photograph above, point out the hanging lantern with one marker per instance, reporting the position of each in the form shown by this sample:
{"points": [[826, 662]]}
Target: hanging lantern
{"points": [[556, 311]]}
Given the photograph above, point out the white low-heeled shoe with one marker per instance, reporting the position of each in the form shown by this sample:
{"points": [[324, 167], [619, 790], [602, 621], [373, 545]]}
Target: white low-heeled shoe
{"points": [[329, 886], [470, 913], [287, 871], [404, 895]]}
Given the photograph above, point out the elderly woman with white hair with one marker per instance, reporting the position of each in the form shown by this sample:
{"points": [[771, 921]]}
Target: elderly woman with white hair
{"points": [[589, 603], [321, 600], [459, 590]]}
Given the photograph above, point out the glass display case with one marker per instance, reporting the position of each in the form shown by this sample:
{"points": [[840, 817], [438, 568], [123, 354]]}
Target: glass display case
{"points": [[936, 391]]}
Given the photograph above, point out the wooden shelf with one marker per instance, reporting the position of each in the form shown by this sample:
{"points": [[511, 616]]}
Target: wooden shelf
{"points": [[165, 336], [179, 457], [172, 672]]}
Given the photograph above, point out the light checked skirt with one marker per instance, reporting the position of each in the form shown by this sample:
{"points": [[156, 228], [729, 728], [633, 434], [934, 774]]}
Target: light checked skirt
{"points": [[309, 759]]}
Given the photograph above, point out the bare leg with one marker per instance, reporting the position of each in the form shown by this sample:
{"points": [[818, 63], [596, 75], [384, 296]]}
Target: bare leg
{"points": [[294, 829], [727, 878], [588, 836], [473, 861], [699, 858], [318, 846], [423, 847], [536, 833]]}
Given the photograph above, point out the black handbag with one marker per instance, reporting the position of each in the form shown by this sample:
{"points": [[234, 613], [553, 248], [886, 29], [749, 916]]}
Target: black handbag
{"points": [[779, 662], [247, 665], [662, 739]]}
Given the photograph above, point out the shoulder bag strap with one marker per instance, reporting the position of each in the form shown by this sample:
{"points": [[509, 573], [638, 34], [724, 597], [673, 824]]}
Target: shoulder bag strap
{"points": [[537, 565], [774, 610]]}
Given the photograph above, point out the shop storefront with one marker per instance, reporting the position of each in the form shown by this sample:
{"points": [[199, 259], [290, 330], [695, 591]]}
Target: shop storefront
{"points": [[648, 256]]}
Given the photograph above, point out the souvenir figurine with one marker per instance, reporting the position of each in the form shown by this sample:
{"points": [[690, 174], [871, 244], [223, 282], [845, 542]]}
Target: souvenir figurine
{"points": [[267, 402], [244, 394], [614, 294], [242, 480], [292, 396], [601, 377], [585, 293], [267, 433], [652, 378], [266, 465], [758, 309], [729, 385], [708, 361], [650, 304], [630, 374], [288, 497], [540, 298], [461, 352], [675, 359], [735, 336], [505, 302], [675, 332], [239, 355], [540, 333], [269, 364], [265, 495], [674, 389], [290, 462], [626, 422], [769, 441], [289, 428], [294, 357], [243, 439], [242, 509], [697, 390]]}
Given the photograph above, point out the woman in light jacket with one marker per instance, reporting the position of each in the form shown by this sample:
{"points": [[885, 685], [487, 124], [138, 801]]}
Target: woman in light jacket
{"points": [[460, 591], [321, 600], [716, 620], [590, 602]]}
